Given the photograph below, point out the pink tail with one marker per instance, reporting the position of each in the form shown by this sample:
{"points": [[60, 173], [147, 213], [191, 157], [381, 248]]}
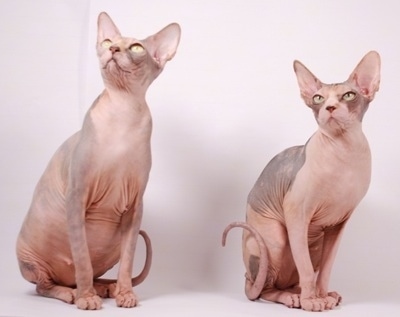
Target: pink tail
{"points": [[147, 264], [252, 290]]}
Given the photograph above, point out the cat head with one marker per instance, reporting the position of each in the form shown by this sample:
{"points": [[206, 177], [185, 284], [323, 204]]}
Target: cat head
{"points": [[131, 64], [338, 107]]}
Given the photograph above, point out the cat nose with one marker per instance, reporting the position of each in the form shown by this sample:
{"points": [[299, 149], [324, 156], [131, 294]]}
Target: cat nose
{"points": [[114, 49], [330, 108]]}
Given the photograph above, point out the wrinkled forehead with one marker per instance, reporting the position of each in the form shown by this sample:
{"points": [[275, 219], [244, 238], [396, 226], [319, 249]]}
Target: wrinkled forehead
{"points": [[336, 89]]}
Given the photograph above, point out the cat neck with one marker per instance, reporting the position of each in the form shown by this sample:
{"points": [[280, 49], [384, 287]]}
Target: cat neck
{"points": [[351, 140], [116, 113], [131, 85], [124, 99]]}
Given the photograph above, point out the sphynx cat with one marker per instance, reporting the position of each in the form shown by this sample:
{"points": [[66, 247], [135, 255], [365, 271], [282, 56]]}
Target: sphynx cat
{"points": [[87, 208], [298, 208]]}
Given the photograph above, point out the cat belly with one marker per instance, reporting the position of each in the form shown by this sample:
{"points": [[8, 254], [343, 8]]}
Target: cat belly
{"points": [[104, 254], [44, 248]]}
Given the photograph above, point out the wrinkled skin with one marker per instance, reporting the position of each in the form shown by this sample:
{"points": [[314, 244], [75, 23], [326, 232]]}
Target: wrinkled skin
{"points": [[87, 208], [299, 206]]}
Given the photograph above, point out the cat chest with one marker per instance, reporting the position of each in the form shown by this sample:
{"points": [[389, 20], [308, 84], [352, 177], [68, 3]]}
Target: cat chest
{"points": [[327, 196], [335, 172], [121, 153], [115, 170], [112, 195]]}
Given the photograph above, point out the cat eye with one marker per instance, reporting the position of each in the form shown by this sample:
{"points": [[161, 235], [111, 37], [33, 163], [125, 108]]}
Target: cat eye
{"points": [[349, 96], [318, 99], [136, 48], [106, 44]]}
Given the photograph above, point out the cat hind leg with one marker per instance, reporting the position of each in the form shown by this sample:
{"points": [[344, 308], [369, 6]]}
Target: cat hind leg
{"points": [[289, 297], [35, 273], [45, 286]]}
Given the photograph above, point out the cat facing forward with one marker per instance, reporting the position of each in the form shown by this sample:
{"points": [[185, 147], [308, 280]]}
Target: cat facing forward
{"points": [[87, 207], [300, 204]]}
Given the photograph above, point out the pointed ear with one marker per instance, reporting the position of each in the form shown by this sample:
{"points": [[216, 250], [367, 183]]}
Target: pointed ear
{"points": [[366, 76], [308, 83], [162, 45], [106, 28]]}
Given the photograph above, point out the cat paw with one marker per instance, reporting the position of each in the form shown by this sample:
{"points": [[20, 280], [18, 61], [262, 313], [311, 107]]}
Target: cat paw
{"points": [[292, 301], [92, 302], [68, 297], [313, 304], [105, 290], [126, 300], [65, 294], [333, 300]]}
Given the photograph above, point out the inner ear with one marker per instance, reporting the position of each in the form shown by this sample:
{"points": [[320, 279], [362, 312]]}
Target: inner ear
{"points": [[308, 83], [106, 29], [366, 75], [163, 45]]}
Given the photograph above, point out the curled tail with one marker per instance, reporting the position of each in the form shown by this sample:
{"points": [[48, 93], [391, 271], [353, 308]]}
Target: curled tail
{"points": [[146, 268], [254, 288]]}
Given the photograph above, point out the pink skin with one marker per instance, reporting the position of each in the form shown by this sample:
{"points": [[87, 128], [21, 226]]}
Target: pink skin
{"points": [[299, 206], [87, 208]]}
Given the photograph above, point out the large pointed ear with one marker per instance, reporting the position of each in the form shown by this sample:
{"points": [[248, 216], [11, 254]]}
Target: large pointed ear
{"points": [[163, 45], [308, 83], [106, 29], [366, 76]]}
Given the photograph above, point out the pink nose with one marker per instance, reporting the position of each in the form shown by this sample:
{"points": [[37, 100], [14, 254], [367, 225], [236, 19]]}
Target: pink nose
{"points": [[114, 49], [330, 108]]}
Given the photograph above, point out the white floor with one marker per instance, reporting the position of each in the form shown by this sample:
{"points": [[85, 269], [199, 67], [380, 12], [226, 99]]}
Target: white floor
{"points": [[24, 303]]}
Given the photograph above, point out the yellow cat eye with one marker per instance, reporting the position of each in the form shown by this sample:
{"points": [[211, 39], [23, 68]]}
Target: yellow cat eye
{"points": [[317, 99], [136, 48], [349, 96], [106, 44]]}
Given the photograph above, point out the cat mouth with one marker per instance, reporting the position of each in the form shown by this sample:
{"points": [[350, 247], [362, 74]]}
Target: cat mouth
{"points": [[332, 120], [336, 124], [112, 63]]}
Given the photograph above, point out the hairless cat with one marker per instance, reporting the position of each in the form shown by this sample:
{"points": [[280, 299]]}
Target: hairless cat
{"points": [[86, 211], [298, 208]]}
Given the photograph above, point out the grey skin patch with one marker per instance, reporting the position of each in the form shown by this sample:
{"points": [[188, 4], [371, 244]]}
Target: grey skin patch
{"points": [[254, 264], [276, 180], [27, 266], [29, 271]]}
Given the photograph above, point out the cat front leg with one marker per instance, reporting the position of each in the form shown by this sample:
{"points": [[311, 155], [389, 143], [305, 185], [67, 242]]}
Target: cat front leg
{"points": [[130, 227], [332, 238], [297, 227], [86, 297]]}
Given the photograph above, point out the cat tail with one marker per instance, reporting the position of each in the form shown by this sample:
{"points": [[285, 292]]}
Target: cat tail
{"points": [[146, 268], [252, 289]]}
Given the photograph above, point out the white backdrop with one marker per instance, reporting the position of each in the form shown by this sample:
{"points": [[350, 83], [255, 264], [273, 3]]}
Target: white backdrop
{"points": [[221, 109]]}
